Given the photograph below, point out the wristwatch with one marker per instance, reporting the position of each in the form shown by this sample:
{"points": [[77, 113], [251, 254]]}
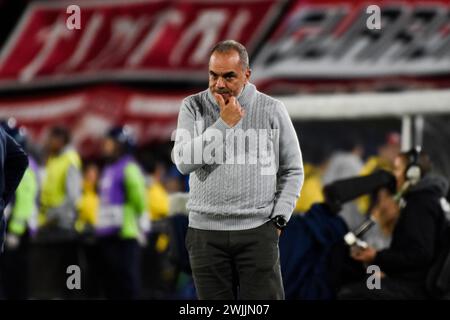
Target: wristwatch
{"points": [[279, 222]]}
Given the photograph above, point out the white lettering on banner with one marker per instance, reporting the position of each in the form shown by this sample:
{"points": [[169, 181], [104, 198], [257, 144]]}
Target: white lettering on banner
{"points": [[238, 25], [81, 51], [124, 32], [163, 21], [49, 37], [208, 25], [333, 41], [127, 39]]}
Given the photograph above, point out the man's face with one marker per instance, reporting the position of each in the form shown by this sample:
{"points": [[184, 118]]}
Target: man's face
{"points": [[226, 75], [399, 170]]}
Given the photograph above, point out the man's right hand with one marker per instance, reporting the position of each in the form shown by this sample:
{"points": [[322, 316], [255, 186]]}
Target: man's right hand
{"points": [[231, 112]]}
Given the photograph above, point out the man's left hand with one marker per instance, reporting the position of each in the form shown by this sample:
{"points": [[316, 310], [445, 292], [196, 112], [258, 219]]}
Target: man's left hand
{"points": [[366, 255]]}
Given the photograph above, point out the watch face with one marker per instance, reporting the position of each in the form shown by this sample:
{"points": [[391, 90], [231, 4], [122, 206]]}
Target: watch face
{"points": [[280, 222]]}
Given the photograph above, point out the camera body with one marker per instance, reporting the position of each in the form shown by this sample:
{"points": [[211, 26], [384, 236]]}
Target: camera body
{"points": [[342, 191]]}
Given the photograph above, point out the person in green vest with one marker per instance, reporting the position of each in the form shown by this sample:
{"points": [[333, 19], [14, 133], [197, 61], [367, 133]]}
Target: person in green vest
{"points": [[122, 212]]}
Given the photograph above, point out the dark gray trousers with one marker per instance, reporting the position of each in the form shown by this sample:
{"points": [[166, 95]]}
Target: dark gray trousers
{"points": [[231, 265]]}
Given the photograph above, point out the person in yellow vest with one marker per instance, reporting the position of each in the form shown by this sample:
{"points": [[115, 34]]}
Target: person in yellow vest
{"points": [[61, 191], [88, 211], [158, 197], [90, 201], [312, 189], [61, 187], [314, 169], [158, 204], [155, 254]]}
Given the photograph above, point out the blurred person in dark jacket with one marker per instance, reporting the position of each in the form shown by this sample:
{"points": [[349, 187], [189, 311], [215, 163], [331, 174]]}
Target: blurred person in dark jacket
{"points": [[21, 215], [13, 163], [415, 241]]}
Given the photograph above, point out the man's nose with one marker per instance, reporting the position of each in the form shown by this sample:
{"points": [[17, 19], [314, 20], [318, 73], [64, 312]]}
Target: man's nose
{"points": [[220, 83]]}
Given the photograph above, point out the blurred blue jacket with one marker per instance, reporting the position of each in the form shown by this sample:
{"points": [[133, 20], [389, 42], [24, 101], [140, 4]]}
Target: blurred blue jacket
{"points": [[305, 247], [13, 163]]}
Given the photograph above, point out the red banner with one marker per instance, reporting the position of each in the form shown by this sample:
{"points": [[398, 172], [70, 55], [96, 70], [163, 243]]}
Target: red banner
{"points": [[91, 112], [131, 39], [329, 46]]}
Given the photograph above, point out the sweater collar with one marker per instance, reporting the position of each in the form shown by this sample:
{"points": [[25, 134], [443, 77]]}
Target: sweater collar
{"points": [[245, 98]]}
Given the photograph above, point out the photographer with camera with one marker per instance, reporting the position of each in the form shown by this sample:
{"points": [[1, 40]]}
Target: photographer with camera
{"points": [[415, 240]]}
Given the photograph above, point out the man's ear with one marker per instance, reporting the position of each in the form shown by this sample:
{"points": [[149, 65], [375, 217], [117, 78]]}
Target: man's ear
{"points": [[248, 73]]}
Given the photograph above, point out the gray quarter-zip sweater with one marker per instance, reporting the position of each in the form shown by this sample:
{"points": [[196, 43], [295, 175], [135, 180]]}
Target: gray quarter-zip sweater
{"points": [[231, 194]]}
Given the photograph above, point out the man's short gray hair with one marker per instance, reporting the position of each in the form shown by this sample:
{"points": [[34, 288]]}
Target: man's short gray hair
{"points": [[228, 45]]}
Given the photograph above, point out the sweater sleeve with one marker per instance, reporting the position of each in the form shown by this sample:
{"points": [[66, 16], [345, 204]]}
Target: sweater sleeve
{"points": [[189, 144], [290, 174]]}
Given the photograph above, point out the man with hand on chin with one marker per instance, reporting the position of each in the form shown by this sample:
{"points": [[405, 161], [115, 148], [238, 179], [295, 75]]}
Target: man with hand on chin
{"points": [[236, 210]]}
